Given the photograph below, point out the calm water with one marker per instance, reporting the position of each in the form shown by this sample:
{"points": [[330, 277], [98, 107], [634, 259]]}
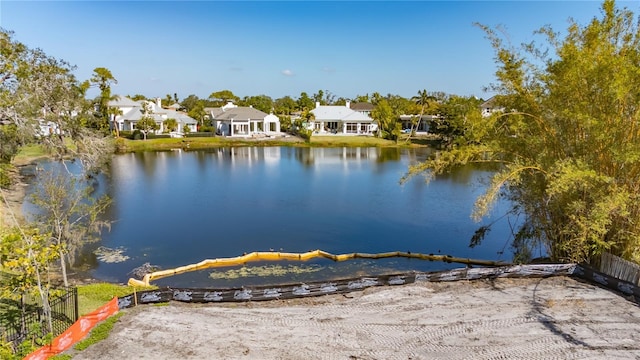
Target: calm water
{"points": [[180, 207]]}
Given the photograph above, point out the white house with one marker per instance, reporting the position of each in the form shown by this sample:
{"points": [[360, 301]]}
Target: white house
{"points": [[131, 111], [407, 121], [233, 120], [339, 119]]}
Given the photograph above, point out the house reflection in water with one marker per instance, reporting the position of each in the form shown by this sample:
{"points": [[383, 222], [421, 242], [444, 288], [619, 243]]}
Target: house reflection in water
{"points": [[346, 157]]}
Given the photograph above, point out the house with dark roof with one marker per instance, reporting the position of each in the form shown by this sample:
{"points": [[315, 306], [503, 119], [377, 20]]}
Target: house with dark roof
{"points": [[130, 112], [490, 106], [341, 120], [244, 121], [363, 107]]}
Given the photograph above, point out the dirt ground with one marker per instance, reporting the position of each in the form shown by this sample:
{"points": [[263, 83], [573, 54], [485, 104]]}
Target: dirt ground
{"points": [[556, 317], [11, 203]]}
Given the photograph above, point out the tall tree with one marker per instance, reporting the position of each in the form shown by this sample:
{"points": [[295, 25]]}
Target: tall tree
{"points": [[40, 90], [458, 120], [167, 101], [305, 102], [190, 102], [36, 89], [284, 106], [103, 79], [223, 96], [423, 99], [389, 126], [362, 98], [319, 97], [25, 259], [198, 113], [261, 102], [137, 97], [303, 126], [68, 213], [170, 125], [324, 97], [570, 148]]}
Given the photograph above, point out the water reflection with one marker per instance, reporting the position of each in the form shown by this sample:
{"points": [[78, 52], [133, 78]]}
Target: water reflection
{"points": [[179, 207]]}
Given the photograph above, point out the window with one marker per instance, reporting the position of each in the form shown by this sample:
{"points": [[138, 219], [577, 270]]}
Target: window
{"points": [[352, 127]]}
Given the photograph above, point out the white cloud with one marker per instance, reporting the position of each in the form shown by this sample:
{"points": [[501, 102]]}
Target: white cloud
{"points": [[287, 72], [328, 70]]}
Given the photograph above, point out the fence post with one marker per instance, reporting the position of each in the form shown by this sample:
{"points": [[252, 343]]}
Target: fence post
{"points": [[75, 302]]}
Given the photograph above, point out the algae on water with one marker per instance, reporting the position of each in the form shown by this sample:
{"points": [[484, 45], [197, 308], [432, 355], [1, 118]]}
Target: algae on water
{"points": [[109, 255], [263, 271]]}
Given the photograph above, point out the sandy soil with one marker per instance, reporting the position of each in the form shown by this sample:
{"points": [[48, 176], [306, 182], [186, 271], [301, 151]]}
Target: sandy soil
{"points": [[548, 318], [11, 203]]}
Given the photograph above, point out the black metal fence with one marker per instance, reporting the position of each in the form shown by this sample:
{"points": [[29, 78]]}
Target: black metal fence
{"points": [[25, 319]]}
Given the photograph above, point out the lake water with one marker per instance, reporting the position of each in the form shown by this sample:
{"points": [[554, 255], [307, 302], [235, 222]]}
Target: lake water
{"points": [[176, 208]]}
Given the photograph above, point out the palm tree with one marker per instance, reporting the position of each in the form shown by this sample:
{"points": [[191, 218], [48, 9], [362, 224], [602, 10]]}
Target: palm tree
{"points": [[103, 78], [423, 99]]}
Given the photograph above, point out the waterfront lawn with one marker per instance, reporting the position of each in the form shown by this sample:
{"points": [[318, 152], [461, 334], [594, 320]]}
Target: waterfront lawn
{"points": [[29, 153], [193, 143], [92, 296]]}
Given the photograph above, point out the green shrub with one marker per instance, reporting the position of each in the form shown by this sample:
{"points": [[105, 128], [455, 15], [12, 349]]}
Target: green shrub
{"points": [[206, 129], [126, 135], [5, 175], [201, 134]]}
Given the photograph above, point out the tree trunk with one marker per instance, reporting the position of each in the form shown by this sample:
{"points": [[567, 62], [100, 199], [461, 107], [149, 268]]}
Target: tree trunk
{"points": [[115, 126], [63, 267]]}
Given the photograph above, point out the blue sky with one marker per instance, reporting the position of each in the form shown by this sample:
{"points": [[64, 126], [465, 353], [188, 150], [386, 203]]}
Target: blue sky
{"points": [[284, 48]]}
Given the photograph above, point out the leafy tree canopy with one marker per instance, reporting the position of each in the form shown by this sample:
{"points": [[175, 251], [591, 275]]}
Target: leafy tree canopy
{"points": [[389, 126], [285, 106], [223, 96], [305, 102], [568, 139], [261, 102]]}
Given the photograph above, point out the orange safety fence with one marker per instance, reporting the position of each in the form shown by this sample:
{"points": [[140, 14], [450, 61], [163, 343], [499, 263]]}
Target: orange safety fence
{"points": [[78, 331]]}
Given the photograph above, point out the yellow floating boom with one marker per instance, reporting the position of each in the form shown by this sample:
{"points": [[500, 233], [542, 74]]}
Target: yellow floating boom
{"points": [[275, 256]]}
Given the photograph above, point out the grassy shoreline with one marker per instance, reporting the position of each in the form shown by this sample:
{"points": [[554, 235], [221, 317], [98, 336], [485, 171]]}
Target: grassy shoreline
{"points": [[196, 143], [30, 153]]}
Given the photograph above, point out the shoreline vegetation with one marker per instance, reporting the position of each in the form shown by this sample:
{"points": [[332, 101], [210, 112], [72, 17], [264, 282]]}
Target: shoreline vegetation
{"points": [[197, 143]]}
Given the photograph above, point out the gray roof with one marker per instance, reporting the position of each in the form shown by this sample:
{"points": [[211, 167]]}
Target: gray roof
{"points": [[214, 111], [489, 103], [241, 113], [156, 113], [123, 101], [132, 115], [186, 119]]}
